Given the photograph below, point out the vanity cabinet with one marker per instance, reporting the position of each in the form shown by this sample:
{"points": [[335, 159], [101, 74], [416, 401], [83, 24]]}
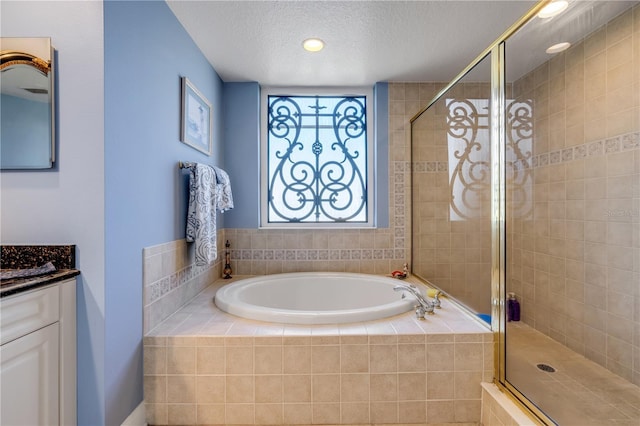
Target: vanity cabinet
{"points": [[38, 356]]}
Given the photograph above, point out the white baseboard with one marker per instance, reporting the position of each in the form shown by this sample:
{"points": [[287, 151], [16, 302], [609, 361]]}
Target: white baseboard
{"points": [[137, 417]]}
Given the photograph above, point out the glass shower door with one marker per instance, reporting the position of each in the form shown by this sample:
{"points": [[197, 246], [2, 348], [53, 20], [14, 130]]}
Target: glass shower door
{"points": [[451, 160], [572, 126]]}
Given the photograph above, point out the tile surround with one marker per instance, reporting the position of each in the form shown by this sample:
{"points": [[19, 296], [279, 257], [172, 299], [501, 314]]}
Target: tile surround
{"points": [[203, 366], [171, 278]]}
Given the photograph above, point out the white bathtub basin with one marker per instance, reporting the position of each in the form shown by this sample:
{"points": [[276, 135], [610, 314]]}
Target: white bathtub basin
{"points": [[313, 298]]}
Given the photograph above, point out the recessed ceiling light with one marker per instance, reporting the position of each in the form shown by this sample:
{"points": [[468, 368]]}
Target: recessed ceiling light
{"points": [[313, 44], [558, 47], [553, 9]]}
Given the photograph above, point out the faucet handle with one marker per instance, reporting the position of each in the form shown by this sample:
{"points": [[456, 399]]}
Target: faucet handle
{"points": [[436, 299]]}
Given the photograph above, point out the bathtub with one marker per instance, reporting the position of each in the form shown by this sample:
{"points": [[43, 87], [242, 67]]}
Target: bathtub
{"points": [[313, 298]]}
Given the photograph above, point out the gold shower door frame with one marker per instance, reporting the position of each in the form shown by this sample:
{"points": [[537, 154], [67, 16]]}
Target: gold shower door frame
{"points": [[498, 139]]}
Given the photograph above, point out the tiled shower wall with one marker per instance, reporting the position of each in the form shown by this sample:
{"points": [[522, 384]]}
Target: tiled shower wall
{"points": [[575, 260]]}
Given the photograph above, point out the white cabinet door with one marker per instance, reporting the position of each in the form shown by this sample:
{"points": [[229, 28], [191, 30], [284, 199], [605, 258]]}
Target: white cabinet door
{"points": [[29, 379]]}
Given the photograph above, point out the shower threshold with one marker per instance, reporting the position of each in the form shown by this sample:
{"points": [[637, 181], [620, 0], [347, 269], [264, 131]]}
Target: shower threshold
{"points": [[578, 392]]}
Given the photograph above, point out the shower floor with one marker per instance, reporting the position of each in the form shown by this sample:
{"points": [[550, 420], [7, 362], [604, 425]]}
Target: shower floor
{"points": [[579, 393]]}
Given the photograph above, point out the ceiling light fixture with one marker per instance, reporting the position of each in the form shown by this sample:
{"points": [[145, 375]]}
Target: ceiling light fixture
{"points": [[553, 9], [313, 44], [558, 47]]}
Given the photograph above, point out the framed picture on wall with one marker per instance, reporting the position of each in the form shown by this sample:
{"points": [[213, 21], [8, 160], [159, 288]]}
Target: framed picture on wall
{"points": [[196, 124]]}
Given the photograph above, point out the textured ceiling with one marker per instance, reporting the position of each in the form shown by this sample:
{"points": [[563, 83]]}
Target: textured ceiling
{"points": [[366, 41]]}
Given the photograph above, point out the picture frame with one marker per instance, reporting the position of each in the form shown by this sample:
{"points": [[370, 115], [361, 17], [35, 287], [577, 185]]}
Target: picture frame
{"points": [[196, 126]]}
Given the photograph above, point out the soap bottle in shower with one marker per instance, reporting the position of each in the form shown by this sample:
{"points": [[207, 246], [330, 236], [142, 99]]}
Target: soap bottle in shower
{"points": [[513, 307]]}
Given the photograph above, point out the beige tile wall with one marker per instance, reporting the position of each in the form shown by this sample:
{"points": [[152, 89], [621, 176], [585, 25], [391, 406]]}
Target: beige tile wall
{"points": [[575, 263], [266, 251], [171, 278], [357, 379]]}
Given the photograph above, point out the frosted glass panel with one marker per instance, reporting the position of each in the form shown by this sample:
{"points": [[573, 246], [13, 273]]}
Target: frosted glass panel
{"points": [[452, 192]]}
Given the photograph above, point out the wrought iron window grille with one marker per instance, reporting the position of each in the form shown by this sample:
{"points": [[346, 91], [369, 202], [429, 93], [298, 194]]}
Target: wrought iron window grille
{"points": [[317, 159]]}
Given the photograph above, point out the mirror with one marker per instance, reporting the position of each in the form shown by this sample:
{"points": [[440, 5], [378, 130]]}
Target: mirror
{"points": [[27, 137]]}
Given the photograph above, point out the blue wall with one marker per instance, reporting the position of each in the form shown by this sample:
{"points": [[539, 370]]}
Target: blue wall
{"points": [[146, 53], [242, 152]]}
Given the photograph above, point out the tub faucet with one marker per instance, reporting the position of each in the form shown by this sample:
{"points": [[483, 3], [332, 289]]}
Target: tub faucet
{"points": [[436, 299], [424, 306]]}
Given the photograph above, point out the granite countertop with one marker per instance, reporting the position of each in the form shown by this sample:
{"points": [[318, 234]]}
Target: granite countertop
{"points": [[18, 285], [33, 256]]}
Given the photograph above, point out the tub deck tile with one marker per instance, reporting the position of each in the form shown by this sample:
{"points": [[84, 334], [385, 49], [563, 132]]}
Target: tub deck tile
{"points": [[201, 317], [267, 373]]}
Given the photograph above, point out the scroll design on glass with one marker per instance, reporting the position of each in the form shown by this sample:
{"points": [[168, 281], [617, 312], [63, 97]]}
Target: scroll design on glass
{"points": [[317, 159], [469, 165], [469, 156], [519, 155]]}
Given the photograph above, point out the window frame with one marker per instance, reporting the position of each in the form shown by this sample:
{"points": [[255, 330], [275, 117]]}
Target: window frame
{"points": [[367, 92]]}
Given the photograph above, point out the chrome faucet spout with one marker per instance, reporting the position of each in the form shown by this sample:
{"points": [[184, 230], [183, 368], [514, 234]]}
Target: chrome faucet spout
{"points": [[425, 306]]}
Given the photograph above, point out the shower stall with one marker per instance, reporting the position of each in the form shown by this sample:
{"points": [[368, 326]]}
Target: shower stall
{"points": [[526, 180]]}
